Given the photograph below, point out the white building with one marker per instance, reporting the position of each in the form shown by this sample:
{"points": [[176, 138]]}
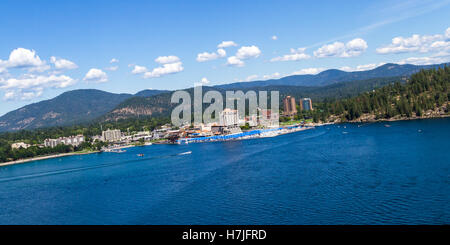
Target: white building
{"points": [[19, 145], [71, 140], [111, 135], [229, 118]]}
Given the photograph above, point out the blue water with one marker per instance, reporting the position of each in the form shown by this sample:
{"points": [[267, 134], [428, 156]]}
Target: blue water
{"points": [[369, 174]]}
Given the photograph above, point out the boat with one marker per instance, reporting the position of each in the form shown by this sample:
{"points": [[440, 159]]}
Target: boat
{"points": [[387, 125], [185, 153], [140, 155]]}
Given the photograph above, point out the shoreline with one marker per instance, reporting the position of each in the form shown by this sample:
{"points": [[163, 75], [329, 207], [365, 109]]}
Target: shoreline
{"points": [[392, 119], [45, 158]]}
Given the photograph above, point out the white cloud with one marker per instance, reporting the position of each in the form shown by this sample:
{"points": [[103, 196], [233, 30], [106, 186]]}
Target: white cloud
{"points": [[272, 76], [62, 64], [246, 52], [21, 57], [435, 59], [169, 68], [114, 60], [204, 81], [243, 53], [415, 43], [352, 48], [96, 75], [30, 86], [361, 67], [226, 44], [205, 56], [355, 47], [447, 33], [167, 59], [112, 68], [170, 64], [234, 61], [139, 69], [274, 37], [296, 54], [308, 71], [24, 58]]}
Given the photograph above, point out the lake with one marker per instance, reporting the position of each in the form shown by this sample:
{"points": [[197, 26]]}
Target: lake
{"points": [[335, 174]]}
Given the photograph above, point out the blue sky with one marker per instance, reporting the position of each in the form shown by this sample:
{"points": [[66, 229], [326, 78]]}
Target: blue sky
{"points": [[48, 47]]}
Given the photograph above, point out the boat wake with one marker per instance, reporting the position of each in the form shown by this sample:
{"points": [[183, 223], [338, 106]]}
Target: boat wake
{"points": [[72, 170]]}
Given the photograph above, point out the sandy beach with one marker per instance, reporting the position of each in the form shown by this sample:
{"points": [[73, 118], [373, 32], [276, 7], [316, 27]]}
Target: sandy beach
{"points": [[45, 157]]}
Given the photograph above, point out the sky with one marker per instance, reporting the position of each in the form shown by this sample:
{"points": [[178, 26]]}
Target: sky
{"points": [[49, 47]]}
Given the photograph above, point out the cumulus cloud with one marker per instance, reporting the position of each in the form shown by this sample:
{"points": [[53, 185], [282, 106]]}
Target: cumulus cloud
{"points": [[205, 56], [24, 58], [62, 64], [29, 86], [96, 75], [114, 60], [415, 43], [295, 55], [246, 52], [234, 61], [243, 53], [274, 37], [168, 68], [139, 69], [352, 48], [226, 44], [170, 64], [167, 59]]}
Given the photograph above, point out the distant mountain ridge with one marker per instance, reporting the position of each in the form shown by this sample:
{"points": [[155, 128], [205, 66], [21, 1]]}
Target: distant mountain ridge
{"points": [[334, 76], [82, 106]]}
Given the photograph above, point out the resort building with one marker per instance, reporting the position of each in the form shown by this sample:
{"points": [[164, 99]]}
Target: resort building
{"points": [[19, 145], [229, 118], [111, 135], [269, 119], [290, 108], [71, 140], [306, 104]]}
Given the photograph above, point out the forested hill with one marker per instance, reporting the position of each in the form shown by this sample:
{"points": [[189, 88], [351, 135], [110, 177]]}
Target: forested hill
{"points": [[159, 105], [426, 94]]}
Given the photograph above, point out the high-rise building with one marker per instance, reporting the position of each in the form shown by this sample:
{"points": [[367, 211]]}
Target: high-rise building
{"points": [[290, 108], [306, 104], [112, 135]]}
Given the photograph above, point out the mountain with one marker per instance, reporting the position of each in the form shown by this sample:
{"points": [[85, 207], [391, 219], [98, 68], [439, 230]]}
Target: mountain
{"points": [[71, 107], [150, 92], [159, 105], [80, 106], [334, 76]]}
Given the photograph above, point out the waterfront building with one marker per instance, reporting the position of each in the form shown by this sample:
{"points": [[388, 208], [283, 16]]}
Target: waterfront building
{"points": [[111, 135], [252, 120], [269, 119], [71, 140], [229, 118], [306, 104], [19, 145], [290, 108]]}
